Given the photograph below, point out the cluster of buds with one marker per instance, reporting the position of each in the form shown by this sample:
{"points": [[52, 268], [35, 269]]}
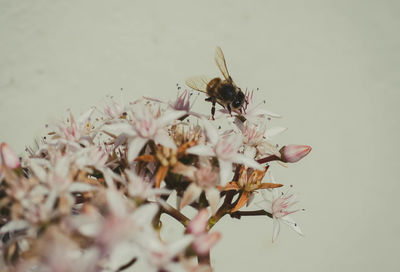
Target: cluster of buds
{"points": [[98, 184]]}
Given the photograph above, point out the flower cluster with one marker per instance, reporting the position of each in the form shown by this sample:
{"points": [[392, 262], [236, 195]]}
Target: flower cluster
{"points": [[98, 184]]}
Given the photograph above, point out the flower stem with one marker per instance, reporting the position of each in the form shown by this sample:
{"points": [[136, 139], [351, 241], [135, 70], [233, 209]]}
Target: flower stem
{"points": [[268, 159], [204, 259], [168, 209], [239, 214]]}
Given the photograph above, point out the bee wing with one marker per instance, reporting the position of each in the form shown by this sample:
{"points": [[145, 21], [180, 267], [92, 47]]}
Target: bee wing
{"points": [[221, 63], [198, 83]]}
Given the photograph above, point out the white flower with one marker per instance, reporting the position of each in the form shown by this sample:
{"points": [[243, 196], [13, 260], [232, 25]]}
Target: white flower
{"points": [[253, 112], [124, 222], [160, 256], [255, 137], [91, 156], [203, 179], [181, 103], [75, 132], [280, 209], [142, 189], [226, 149], [144, 127], [203, 241], [114, 110]]}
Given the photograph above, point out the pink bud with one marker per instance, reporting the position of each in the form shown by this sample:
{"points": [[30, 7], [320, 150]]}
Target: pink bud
{"points": [[199, 223], [205, 242], [8, 157], [294, 153]]}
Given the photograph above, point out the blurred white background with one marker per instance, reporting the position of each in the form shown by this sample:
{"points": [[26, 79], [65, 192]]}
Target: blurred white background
{"points": [[331, 68]]}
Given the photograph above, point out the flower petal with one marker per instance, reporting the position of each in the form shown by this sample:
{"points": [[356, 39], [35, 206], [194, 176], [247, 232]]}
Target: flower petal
{"points": [[198, 224], [259, 111], [225, 171], [201, 150], [134, 147], [164, 139], [269, 185], [242, 159], [213, 197], [178, 246], [250, 151], [145, 214], [14, 225], [266, 205], [83, 118], [292, 224], [191, 194], [276, 229], [168, 117], [211, 131], [271, 132], [161, 174], [119, 128], [205, 242], [77, 187], [242, 201]]}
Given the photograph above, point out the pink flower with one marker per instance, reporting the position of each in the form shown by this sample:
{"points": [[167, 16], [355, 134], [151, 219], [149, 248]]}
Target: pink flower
{"points": [[8, 157], [226, 150], [294, 153]]}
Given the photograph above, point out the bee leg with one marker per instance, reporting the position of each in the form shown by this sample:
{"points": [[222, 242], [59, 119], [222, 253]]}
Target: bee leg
{"points": [[213, 101], [229, 109]]}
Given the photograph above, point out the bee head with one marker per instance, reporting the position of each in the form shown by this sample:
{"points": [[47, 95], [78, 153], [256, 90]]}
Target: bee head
{"points": [[239, 99]]}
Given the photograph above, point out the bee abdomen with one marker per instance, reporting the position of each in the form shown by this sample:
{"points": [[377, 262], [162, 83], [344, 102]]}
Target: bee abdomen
{"points": [[212, 86]]}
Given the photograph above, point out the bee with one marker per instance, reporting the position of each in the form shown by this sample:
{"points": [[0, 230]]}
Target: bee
{"points": [[222, 91]]}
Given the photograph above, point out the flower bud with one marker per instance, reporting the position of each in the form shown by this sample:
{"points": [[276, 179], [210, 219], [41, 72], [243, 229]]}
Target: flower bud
{"points": [[294, 153], [8, 157], [199, 223]]}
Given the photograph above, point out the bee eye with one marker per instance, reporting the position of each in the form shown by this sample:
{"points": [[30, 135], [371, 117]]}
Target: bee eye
{"points": [[236, 103]]}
